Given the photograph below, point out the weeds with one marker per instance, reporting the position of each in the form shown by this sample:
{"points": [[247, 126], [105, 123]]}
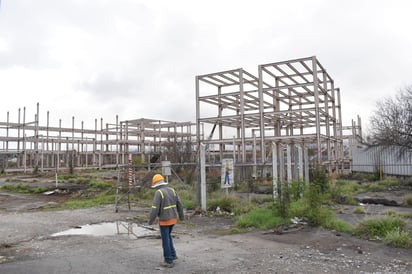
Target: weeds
{"points": [[407, 200], [405, 214], [224, 203], [101, 199], [337, 224], [23, 188], [379, 228], [99, 184], [260, 218], [398, 238], [359, 210], [392, 213]]}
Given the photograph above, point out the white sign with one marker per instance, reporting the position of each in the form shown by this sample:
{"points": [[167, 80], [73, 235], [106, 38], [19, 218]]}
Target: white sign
{"points": [[227, 173], [166, 171]]}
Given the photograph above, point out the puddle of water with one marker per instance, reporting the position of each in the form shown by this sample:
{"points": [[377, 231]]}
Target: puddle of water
{"points": [[132, 230]]}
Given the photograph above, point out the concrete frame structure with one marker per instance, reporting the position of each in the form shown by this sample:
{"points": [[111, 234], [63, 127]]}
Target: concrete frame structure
{"points": [[294, 102], [44, 147], [293, 105]]}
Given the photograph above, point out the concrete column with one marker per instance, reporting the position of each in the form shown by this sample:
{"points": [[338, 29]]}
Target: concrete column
{"points": [[275, 170]]}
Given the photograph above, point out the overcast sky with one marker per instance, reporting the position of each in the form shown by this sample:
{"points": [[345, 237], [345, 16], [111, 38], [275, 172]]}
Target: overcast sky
{"points": [[138, 59]]}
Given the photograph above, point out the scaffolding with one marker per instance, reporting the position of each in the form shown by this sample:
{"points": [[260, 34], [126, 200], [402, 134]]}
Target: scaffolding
{"points": [[28, 146], [291, 103]]}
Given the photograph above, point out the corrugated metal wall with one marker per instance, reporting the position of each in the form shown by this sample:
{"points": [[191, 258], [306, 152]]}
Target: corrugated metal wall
{"points": [[389, 159]]}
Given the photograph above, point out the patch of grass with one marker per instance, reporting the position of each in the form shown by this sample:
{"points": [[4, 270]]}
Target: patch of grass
{"points": [[343, 188], [242, 207], [101, 199], [392, 213], [297, 189], [341, 192], [225, 203], [380, 185], [146, 193], [350, 201], [359, 210], [189, 204], [82, 180], [337, 224], [405, 214], [398, 238], [99, 184], [319, 216], [360, 176], [407, 200], [230, 203], [261, 200], [297, 209], [187, 198], [374, 187], [378, 228], [235, 230], [261, 218], [65, 177], [14, 180], [23, 188]]}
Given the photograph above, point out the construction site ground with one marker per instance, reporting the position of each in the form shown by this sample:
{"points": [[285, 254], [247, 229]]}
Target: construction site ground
{"points": [[27, 244]]}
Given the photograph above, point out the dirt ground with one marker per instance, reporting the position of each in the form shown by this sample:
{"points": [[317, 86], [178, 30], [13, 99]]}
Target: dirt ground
{"points": [[27, 244]]}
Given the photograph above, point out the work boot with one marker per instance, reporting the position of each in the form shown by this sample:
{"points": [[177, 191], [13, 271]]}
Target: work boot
{"points": [[168, 265]]}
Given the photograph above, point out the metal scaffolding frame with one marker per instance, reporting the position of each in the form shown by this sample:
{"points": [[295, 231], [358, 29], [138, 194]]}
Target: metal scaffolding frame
{"points": [[44, 147], [292, 102]]}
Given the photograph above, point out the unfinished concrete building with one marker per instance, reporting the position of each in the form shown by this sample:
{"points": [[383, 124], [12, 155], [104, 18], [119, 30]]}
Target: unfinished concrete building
{"points": [[288, 109], [292, 104], [30, 145]]}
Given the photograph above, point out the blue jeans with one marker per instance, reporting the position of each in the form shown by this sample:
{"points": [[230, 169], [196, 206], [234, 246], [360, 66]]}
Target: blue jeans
{"points": [[169, 251]]}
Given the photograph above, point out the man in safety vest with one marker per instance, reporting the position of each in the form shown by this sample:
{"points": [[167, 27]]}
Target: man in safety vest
{"points": [[167, 207]]}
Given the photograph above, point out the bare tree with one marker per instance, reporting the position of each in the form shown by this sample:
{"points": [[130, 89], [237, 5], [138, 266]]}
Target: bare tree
{"points": [[392, 121]]}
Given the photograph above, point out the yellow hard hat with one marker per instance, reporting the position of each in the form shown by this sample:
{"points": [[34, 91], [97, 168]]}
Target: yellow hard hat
{"points": [[156, 179]]}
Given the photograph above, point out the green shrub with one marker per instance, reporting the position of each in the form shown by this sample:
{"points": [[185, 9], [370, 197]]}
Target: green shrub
{"points": [[318, 216], [189, 204], [337, 224], [259, 218], [359, 210], [341, 191], [378, 228], [242, 207], [296, 190], [225, 203], [187, 198], [318, 178], [398, 238], [297, 209]]}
